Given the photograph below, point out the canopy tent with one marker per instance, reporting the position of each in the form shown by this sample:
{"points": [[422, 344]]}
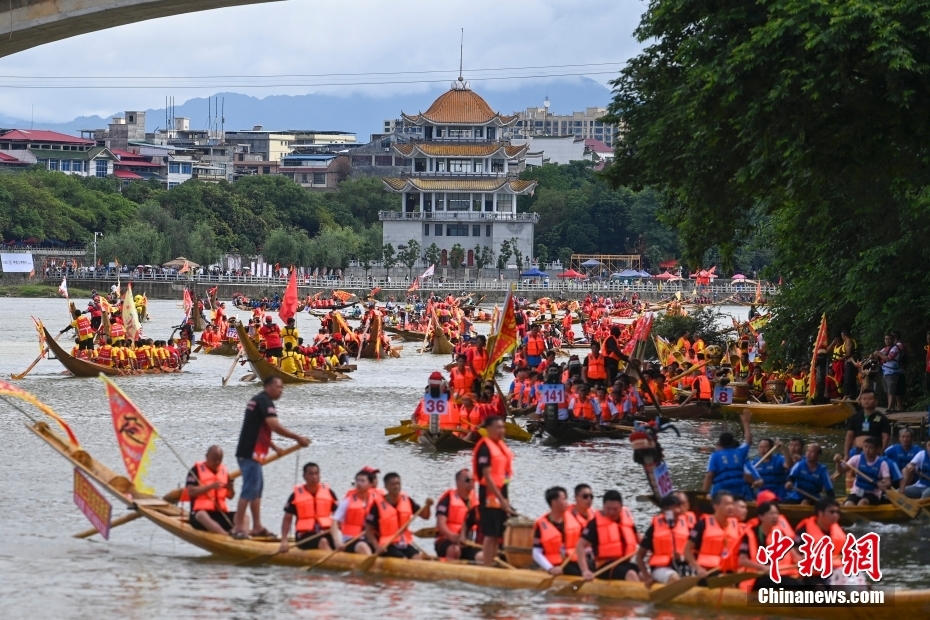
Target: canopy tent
{"points": [[591, 263], [534, 273], [645, 273], [738, 276], [571, 273], [179, 262], [665, 275], [626, 273]]}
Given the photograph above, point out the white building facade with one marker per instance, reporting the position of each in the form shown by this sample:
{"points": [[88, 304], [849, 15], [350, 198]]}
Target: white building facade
{"points": [[461, 184]]}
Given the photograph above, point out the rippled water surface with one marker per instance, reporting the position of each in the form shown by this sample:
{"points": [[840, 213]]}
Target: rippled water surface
{"points": [[143, 572]]}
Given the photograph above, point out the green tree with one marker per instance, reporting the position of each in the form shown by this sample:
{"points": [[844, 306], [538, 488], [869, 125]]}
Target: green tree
{"points": [[138, 243], [433, 254], [484, 256], [565, 257], [542, 255], [366, 256], [504, 255], [518, 255], [389, 256], [282, 247], [457, 256], [410, 256]]}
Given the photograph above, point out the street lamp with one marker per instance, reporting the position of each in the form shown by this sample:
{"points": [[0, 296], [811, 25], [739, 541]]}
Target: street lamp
{"points": [[96, 234]]}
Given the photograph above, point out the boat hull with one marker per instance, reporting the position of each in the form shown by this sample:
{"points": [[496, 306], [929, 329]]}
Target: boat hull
{"points": [[444, 442], [262, 367], [817, 416]]}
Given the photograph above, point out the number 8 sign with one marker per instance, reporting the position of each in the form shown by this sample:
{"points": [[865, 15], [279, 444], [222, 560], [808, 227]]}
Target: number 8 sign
{"points": [[723, 395]]}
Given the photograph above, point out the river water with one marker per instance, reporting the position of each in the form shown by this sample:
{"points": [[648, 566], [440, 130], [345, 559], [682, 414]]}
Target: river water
{"points": [[142, 572]]}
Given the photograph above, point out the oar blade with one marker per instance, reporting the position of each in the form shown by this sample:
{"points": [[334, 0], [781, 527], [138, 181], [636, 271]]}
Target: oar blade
{"points": [[673, 590], [909, 506], [368, 563], [569, 588], [728, 580]]}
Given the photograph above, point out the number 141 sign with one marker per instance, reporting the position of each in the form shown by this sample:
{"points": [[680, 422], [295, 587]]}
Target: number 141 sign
{"points": [[552, 393]]}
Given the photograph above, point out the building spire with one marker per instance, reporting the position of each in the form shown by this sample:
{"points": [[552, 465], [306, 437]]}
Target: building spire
{"points": [[461, 54]]}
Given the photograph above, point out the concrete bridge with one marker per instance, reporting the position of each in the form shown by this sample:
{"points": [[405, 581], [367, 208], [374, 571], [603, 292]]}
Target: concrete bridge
{"points": [[29, 23]]}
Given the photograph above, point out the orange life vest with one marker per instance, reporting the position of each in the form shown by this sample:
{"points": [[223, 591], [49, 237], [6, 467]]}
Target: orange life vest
{"points": [[788, 567], [392, 518], [703, 386], [313, 508], [501, 467], [535, 345], [596, 369], [667, 542], [585, 409], [215, 499], [837, 535], [615, 539], [716, 542], [479, 360], [579, 517], [605, 352], [461, 381], [556, 545], [458, 510], [356, 512]]}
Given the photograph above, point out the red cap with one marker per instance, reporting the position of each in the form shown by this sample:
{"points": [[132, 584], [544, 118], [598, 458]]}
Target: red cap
{"points": [[268, 319], [436, 378], [766, 496], [368, 469]]}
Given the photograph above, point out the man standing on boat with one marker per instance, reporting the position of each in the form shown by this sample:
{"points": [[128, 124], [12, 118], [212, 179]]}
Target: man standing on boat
{"points": [[867, 422], [493, 468], [261, 419]]}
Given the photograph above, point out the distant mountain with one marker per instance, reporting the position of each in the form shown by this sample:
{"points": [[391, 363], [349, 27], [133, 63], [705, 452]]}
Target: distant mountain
{"points": [[362, 114]]}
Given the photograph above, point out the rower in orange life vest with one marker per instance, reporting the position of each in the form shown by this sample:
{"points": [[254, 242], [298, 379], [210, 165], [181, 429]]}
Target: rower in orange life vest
{"points": [[609, 536], [477, 356], [535, 347], [351, 513], [686, 512], [388, 515], [457, 520], [665, 542], [710, 540], [492, 467], [85, 333], [208, 487], [593, 370], [702, 388], [312, 504], [461, 377], [555, 535], [825, 522], [583, 406], [612, 354], [760, 530]]}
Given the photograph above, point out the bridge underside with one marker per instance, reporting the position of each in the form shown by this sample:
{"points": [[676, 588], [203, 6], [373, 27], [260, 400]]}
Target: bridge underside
{"points": [[25, 24]]}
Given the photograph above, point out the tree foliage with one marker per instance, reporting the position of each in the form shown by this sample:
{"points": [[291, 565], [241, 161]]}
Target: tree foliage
{"points": [[808, 117]]}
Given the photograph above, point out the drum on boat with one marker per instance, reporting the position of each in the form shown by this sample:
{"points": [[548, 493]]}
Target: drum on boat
{"points": [[740, 391], [775, 390], [518, 541]]}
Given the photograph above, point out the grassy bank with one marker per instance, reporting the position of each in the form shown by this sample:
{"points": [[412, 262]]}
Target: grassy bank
{"points": [[38, 290]]}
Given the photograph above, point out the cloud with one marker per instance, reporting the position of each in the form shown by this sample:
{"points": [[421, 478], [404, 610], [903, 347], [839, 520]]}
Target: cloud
{"points": [[304, 37]]}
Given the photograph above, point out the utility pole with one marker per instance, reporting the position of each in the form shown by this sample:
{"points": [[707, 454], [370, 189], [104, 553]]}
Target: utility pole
{"points": [[96, 234]]}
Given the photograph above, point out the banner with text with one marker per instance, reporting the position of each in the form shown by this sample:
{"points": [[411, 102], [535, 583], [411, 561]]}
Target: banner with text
{"points": [[16, 263]]}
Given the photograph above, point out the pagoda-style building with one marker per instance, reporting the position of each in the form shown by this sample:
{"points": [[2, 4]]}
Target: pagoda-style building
{"points": [[461, 183]]}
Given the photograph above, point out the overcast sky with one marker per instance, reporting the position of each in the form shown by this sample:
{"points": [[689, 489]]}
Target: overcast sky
{"points": [[313, 37]]}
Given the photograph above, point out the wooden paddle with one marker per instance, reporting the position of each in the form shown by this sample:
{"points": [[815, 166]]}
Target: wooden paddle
{"points": [[369, 562], [232, 369], [576, 585], [332, 553], [675, 589], [259, 560], [909, 506], [728, 580], [174, 496], [403, 437], [775, 447], [546, 583]]}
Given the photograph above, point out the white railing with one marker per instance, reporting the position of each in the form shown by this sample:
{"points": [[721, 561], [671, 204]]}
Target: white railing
{"points": [[468, 216]]}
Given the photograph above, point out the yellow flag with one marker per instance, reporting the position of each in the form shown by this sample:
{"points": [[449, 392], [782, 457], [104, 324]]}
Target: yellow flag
{"points": [[134, 433]]}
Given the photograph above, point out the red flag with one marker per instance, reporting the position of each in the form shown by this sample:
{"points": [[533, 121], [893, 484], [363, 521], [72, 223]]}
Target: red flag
{"points": [[415, 285], [188, 302], [506, 333], [819, 343], [134, 433], [289, 303], [640, 333]]}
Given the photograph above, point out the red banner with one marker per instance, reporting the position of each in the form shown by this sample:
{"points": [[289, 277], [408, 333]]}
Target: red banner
{"points": [[819, 343], [640, 332], [92, 503], [289, 303], [134, 433]]}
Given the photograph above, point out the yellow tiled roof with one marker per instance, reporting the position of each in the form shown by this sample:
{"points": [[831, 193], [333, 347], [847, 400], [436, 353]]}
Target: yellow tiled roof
{"points": [[457, 185], [395, 184], [460, 106]]}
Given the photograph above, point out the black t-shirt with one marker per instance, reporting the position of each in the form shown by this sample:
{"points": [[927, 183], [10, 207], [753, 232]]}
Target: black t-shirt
{"points": [[484, 460], [291, 509], [646, 542], [697, 533], [878, 424], [374, 515], [255, 432], [537, 535]]}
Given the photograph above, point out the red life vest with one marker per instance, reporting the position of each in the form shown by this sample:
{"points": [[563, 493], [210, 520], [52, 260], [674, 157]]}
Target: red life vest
{"points": [[105, 355], [535, 345], [215, 499], [596, 368], [117, 331], [392, 518], [556, 545], [605, 352], [501, 467], [313, 509], [272, 336], [667, 542], [84, 329], [479, 360], [458, 510], [716, 541], [356, 512], [615, 539]]}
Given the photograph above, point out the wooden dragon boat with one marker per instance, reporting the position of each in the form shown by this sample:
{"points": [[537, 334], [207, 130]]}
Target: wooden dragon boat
{"points": [[374, 349], [86, 368], [817, 416], [795, 513], [262, 367], [407, 335], [172, 519], [441, 343], [444, 441], [227, 349]]}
